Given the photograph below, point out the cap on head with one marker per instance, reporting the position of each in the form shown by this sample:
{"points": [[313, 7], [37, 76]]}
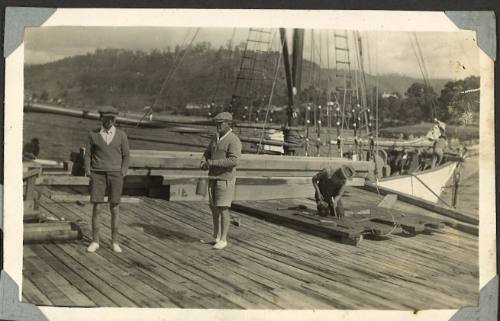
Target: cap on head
{"points": [[347, 171], [108, 111], [223, 117]]}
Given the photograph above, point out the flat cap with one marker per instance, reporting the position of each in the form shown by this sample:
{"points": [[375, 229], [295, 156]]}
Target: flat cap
{"points": [[224, 116], [108, 111], [347, 171]]}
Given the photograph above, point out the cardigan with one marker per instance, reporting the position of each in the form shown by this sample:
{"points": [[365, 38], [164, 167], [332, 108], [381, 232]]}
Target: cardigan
{"points": [[100, 156], [222, 156]]}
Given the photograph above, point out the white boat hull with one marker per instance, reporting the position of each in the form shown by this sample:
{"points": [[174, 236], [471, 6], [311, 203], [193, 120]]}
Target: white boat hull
{"points": [[427, 185]]}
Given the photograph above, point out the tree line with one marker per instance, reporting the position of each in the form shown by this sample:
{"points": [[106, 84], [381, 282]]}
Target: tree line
{"points": [[170, 79]]}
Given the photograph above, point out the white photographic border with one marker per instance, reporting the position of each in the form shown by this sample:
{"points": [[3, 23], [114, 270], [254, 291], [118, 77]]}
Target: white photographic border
{"points": [[355, 20]]}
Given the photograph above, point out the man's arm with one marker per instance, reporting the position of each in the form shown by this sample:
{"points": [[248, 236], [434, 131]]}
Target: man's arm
{"points": [[125, 154], [339, 195], [207, 152], [315, 180], [86, 158], [232, 156], [206, 157]]}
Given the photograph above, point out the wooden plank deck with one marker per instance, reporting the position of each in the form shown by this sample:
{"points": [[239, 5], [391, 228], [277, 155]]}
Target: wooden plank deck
{"points": [[265, 266]]}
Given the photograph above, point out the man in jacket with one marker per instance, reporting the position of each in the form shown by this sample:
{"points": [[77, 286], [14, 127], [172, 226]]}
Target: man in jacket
{"points": [[106, 163], [221, 158]]}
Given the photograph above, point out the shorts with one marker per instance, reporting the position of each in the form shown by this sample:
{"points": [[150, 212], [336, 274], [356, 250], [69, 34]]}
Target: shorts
{"points": [[220, 192], [106, 184]]}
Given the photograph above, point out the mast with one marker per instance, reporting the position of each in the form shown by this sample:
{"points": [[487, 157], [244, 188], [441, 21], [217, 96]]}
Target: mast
{"points": [[293, 74], [298, 48], [289, 84], [293, 81]]}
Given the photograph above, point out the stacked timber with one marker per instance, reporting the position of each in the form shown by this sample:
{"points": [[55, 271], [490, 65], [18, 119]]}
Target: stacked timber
{"points": [[51, 232], [35, 230], [379, 222], [188, 163], [177, 175], [259, 177], [30, 196]]}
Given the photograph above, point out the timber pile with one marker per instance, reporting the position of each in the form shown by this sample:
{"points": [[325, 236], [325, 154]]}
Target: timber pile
{"points": [[51, 232], [35, 229], [249, 165], [378, 222], [176, 176], [458, 220], [30, 196]]}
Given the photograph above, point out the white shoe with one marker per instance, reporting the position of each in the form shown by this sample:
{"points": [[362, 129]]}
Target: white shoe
{"points": [[220, 245], [117, 248], [93, 247]]}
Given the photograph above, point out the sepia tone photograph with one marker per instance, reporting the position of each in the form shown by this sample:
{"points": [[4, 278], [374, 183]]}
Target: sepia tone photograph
{"points": [[250, 168]]}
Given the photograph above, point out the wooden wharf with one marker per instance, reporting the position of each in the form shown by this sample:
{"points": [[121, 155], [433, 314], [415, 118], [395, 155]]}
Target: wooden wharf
{"points": [[265, 266]]}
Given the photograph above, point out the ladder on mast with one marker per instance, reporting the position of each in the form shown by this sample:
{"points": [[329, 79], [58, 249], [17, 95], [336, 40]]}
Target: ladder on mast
{"points": [[348, 95], [343, 72], [252, 82]]}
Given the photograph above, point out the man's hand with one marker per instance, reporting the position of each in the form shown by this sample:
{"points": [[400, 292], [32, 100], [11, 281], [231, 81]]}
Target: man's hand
{"points": [[204, 165], [87, 173], [323, 208], [124, 172]]}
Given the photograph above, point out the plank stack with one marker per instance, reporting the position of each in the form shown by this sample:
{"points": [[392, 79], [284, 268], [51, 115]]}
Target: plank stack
{"points": [[379, 222]]}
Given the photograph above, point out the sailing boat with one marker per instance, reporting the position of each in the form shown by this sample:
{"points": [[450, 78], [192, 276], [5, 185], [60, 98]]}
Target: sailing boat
{"points": [[416, 180], [292, 172]]}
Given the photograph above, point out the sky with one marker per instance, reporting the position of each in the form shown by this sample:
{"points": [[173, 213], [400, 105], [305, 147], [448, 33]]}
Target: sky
{"points": [[447, 55]]}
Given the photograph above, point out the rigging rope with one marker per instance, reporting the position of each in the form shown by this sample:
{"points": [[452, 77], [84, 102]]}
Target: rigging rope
{"points": [[376, 96], [174, 69], [329, 107], [423, 69], [225, 63], [253, 80], [270, 97], [427, 187], [319, 101]]}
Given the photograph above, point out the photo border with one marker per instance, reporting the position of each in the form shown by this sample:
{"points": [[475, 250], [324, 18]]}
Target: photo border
{"points": [[17, 19]]}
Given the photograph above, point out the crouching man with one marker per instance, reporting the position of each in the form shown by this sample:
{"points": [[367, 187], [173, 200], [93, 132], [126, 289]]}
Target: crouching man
{"points": [[329, 185], [106, 163], [221, 158]]}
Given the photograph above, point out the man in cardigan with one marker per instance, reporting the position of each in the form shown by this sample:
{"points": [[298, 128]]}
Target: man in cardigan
{"points": [[106, 163], [329, 186], [221, 158]]}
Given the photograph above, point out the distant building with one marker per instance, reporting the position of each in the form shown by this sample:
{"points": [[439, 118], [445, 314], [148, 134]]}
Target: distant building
{"points": [[387, 95], [278, 108], [192, 106]]}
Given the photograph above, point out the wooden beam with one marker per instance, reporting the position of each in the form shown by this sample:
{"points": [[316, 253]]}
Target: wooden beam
{"points": [[86, 198], [50, 232], [296, 220], [191, 160], [449, 212], [55, 180]]}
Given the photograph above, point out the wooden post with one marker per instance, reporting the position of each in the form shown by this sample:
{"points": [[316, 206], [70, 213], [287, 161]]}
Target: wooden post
{"points": [[30, 197]]}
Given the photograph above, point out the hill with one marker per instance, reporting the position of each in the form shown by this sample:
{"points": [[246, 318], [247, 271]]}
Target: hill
{"points": [[131, 80]]}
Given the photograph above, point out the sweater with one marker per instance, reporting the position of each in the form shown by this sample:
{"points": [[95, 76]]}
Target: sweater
{"points": [[100, 156], [329, 182], [222, 157]]}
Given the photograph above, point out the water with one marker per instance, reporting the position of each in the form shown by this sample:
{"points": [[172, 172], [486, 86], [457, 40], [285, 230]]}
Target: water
{"points": [[468, 193]]}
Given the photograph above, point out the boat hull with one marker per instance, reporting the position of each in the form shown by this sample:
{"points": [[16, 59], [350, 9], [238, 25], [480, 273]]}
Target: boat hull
{"points": [[427, 185]]}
